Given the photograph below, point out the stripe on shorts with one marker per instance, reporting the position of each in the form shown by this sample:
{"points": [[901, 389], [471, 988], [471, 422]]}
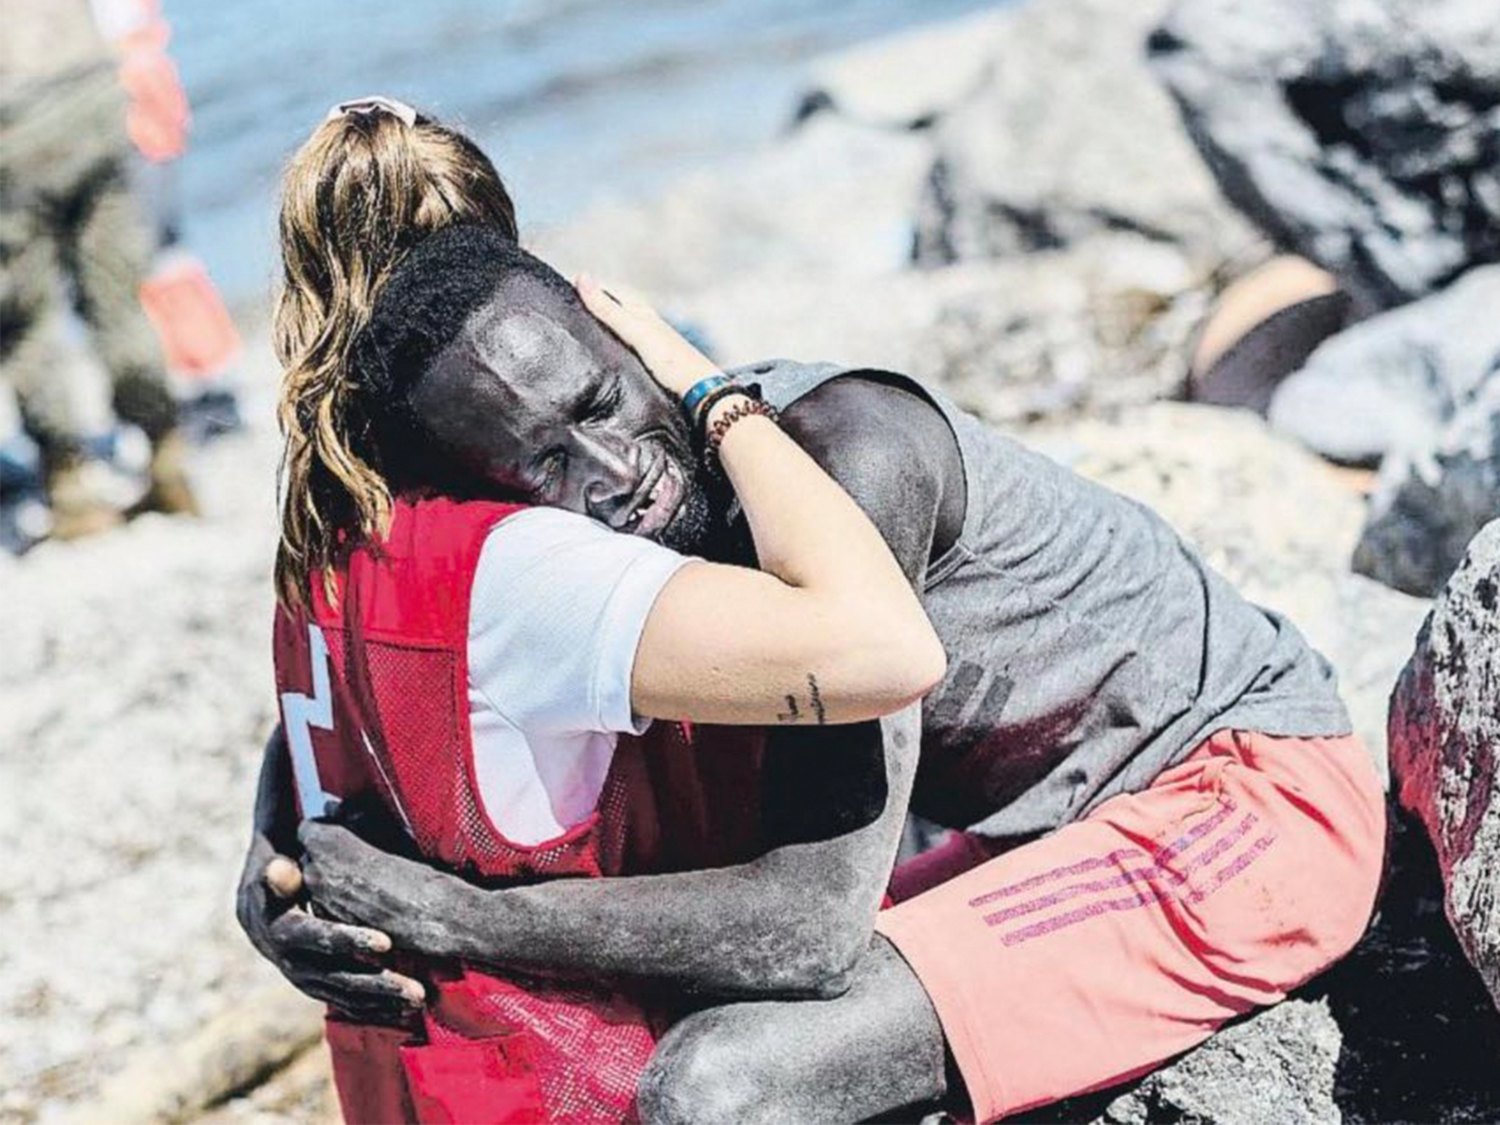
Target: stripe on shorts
{"points": [[1162, 881]]}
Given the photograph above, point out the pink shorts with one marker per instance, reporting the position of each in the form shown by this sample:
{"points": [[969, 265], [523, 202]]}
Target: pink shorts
{"points": [[1095, 954]]}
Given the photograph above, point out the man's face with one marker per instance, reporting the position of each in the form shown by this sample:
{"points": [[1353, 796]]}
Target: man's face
{"points": [[538, 398]]}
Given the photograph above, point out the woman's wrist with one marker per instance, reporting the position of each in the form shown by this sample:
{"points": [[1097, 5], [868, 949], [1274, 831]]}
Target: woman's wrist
{"points": [[697, 398], [720, 406], [735, 411]]}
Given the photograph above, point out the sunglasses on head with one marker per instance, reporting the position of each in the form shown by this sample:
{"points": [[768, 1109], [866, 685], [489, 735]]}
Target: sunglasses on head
{"points": [[375, 104]]}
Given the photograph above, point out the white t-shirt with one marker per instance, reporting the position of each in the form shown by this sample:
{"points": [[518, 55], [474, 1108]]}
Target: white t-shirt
{"points": [[556, 612]]}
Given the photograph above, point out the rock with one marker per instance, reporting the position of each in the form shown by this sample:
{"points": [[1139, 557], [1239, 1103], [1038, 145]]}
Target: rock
{"points": [[1394, 381], [1069, 136], [302, 1092], [1445, 748], [1362, 134], [910, 79], [1090, 328], [135, 693], [832, 200], [254, 1035], [1429, 506], [1271, 517], [1278, 1068]]}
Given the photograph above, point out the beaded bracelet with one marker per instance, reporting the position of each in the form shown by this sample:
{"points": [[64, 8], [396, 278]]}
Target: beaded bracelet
{"points": [[699, 413], [736, 413]]}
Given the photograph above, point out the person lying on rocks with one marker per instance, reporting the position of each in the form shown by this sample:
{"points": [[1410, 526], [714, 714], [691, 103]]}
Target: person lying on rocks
{"points": [[1163, 820]]}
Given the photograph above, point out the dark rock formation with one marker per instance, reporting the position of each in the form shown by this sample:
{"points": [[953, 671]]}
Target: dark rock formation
{"points": [[1392, 383], [1445, 747], [1364, 136], [1430, 505]]}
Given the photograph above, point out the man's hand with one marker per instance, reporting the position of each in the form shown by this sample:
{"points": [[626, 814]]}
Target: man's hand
{"points": [[422, 910], [330, 962]]}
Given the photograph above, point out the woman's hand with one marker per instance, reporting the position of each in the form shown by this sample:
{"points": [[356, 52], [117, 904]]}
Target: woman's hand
{"points": [[672, 361]]}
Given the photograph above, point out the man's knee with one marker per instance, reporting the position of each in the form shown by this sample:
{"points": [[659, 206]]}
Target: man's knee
{"points": [[699, 1073]]}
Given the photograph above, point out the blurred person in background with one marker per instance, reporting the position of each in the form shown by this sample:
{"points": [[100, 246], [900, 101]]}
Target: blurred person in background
{"points": [[199, 340], [73, 240]]}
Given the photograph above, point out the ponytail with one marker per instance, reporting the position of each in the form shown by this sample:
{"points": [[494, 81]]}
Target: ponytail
{"points": [[368, 185]]}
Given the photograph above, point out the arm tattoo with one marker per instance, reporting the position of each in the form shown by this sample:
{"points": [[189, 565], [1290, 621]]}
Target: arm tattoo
{"points": [[793, 712]]}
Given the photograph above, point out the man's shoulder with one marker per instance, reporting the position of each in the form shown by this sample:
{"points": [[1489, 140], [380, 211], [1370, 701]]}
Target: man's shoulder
{"points": [[866, 417]]}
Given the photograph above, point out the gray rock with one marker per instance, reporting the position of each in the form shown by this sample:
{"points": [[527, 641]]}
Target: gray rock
{"points": [[1445, 748], [1429, 506], [1363, 134], [1278, 1068], [1394, 381], [833, 200], [910, 79], [1070, 136], [1100, 325]]}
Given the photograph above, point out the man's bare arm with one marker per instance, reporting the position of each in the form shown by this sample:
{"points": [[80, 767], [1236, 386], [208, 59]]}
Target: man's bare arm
{"points": [[793, 922]]}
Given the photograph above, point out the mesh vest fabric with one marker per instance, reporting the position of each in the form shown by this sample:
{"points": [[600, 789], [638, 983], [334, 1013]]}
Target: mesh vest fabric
{"points": [[398, 738]]}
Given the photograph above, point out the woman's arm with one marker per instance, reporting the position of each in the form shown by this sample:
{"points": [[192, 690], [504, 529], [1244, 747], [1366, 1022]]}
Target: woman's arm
{"points": [[829, 630]]}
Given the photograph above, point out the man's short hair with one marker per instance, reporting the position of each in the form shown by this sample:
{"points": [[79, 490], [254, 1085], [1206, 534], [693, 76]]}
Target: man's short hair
{"points": [[448, 277]]}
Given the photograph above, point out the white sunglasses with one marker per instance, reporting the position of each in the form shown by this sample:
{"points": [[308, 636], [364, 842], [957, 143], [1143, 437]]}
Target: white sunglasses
{"points": [[375, 104]]}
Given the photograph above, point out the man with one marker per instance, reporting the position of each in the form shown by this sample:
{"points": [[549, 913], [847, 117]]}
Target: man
{"points": [[70, 232], [1215, 834]]}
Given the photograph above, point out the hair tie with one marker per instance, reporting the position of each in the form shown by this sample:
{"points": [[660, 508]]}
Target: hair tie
{"points": [[375, 103]]}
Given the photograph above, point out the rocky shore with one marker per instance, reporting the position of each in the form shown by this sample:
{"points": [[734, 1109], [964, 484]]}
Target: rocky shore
{"points": [[1036, 208]]}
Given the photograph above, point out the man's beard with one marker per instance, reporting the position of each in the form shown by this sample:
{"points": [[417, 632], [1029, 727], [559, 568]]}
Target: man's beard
{"points": [[695, 519], [708, 522]]}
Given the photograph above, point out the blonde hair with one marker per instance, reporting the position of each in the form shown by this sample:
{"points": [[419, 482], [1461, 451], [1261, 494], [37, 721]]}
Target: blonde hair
{"points": [[359, 194]]}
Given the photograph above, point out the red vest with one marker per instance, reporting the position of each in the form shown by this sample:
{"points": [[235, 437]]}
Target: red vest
{"points": [[374, 699]]}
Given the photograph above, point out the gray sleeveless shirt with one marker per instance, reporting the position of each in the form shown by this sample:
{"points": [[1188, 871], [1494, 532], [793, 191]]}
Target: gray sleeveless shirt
{"points": [[1089, 647]]}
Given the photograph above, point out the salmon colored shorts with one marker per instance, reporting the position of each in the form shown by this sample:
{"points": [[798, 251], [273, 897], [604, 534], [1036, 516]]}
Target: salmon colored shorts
{"points": [[1095, 954]]}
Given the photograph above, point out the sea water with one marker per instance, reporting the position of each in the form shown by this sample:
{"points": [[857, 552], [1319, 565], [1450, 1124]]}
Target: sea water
{"points": [[573, 99]]}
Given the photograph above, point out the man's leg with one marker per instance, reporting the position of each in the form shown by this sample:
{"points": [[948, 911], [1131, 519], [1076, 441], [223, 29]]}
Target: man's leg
{"points": [[110, 257], [61, 393], [1093, 955], [875, 1049]]}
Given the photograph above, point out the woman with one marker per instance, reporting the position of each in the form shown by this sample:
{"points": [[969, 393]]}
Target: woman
{"points": [[486, 672]]}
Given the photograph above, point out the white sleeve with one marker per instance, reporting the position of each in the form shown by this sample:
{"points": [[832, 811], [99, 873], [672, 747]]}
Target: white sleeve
{"points": [[556, 612]]}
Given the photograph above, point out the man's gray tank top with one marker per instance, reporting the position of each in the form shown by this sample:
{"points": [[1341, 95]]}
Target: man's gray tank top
{"points": [[1089, 647]]}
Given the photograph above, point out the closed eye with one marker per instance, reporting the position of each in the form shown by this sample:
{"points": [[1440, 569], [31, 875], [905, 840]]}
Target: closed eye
{"points": [[604, 403], [549, 470]]}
